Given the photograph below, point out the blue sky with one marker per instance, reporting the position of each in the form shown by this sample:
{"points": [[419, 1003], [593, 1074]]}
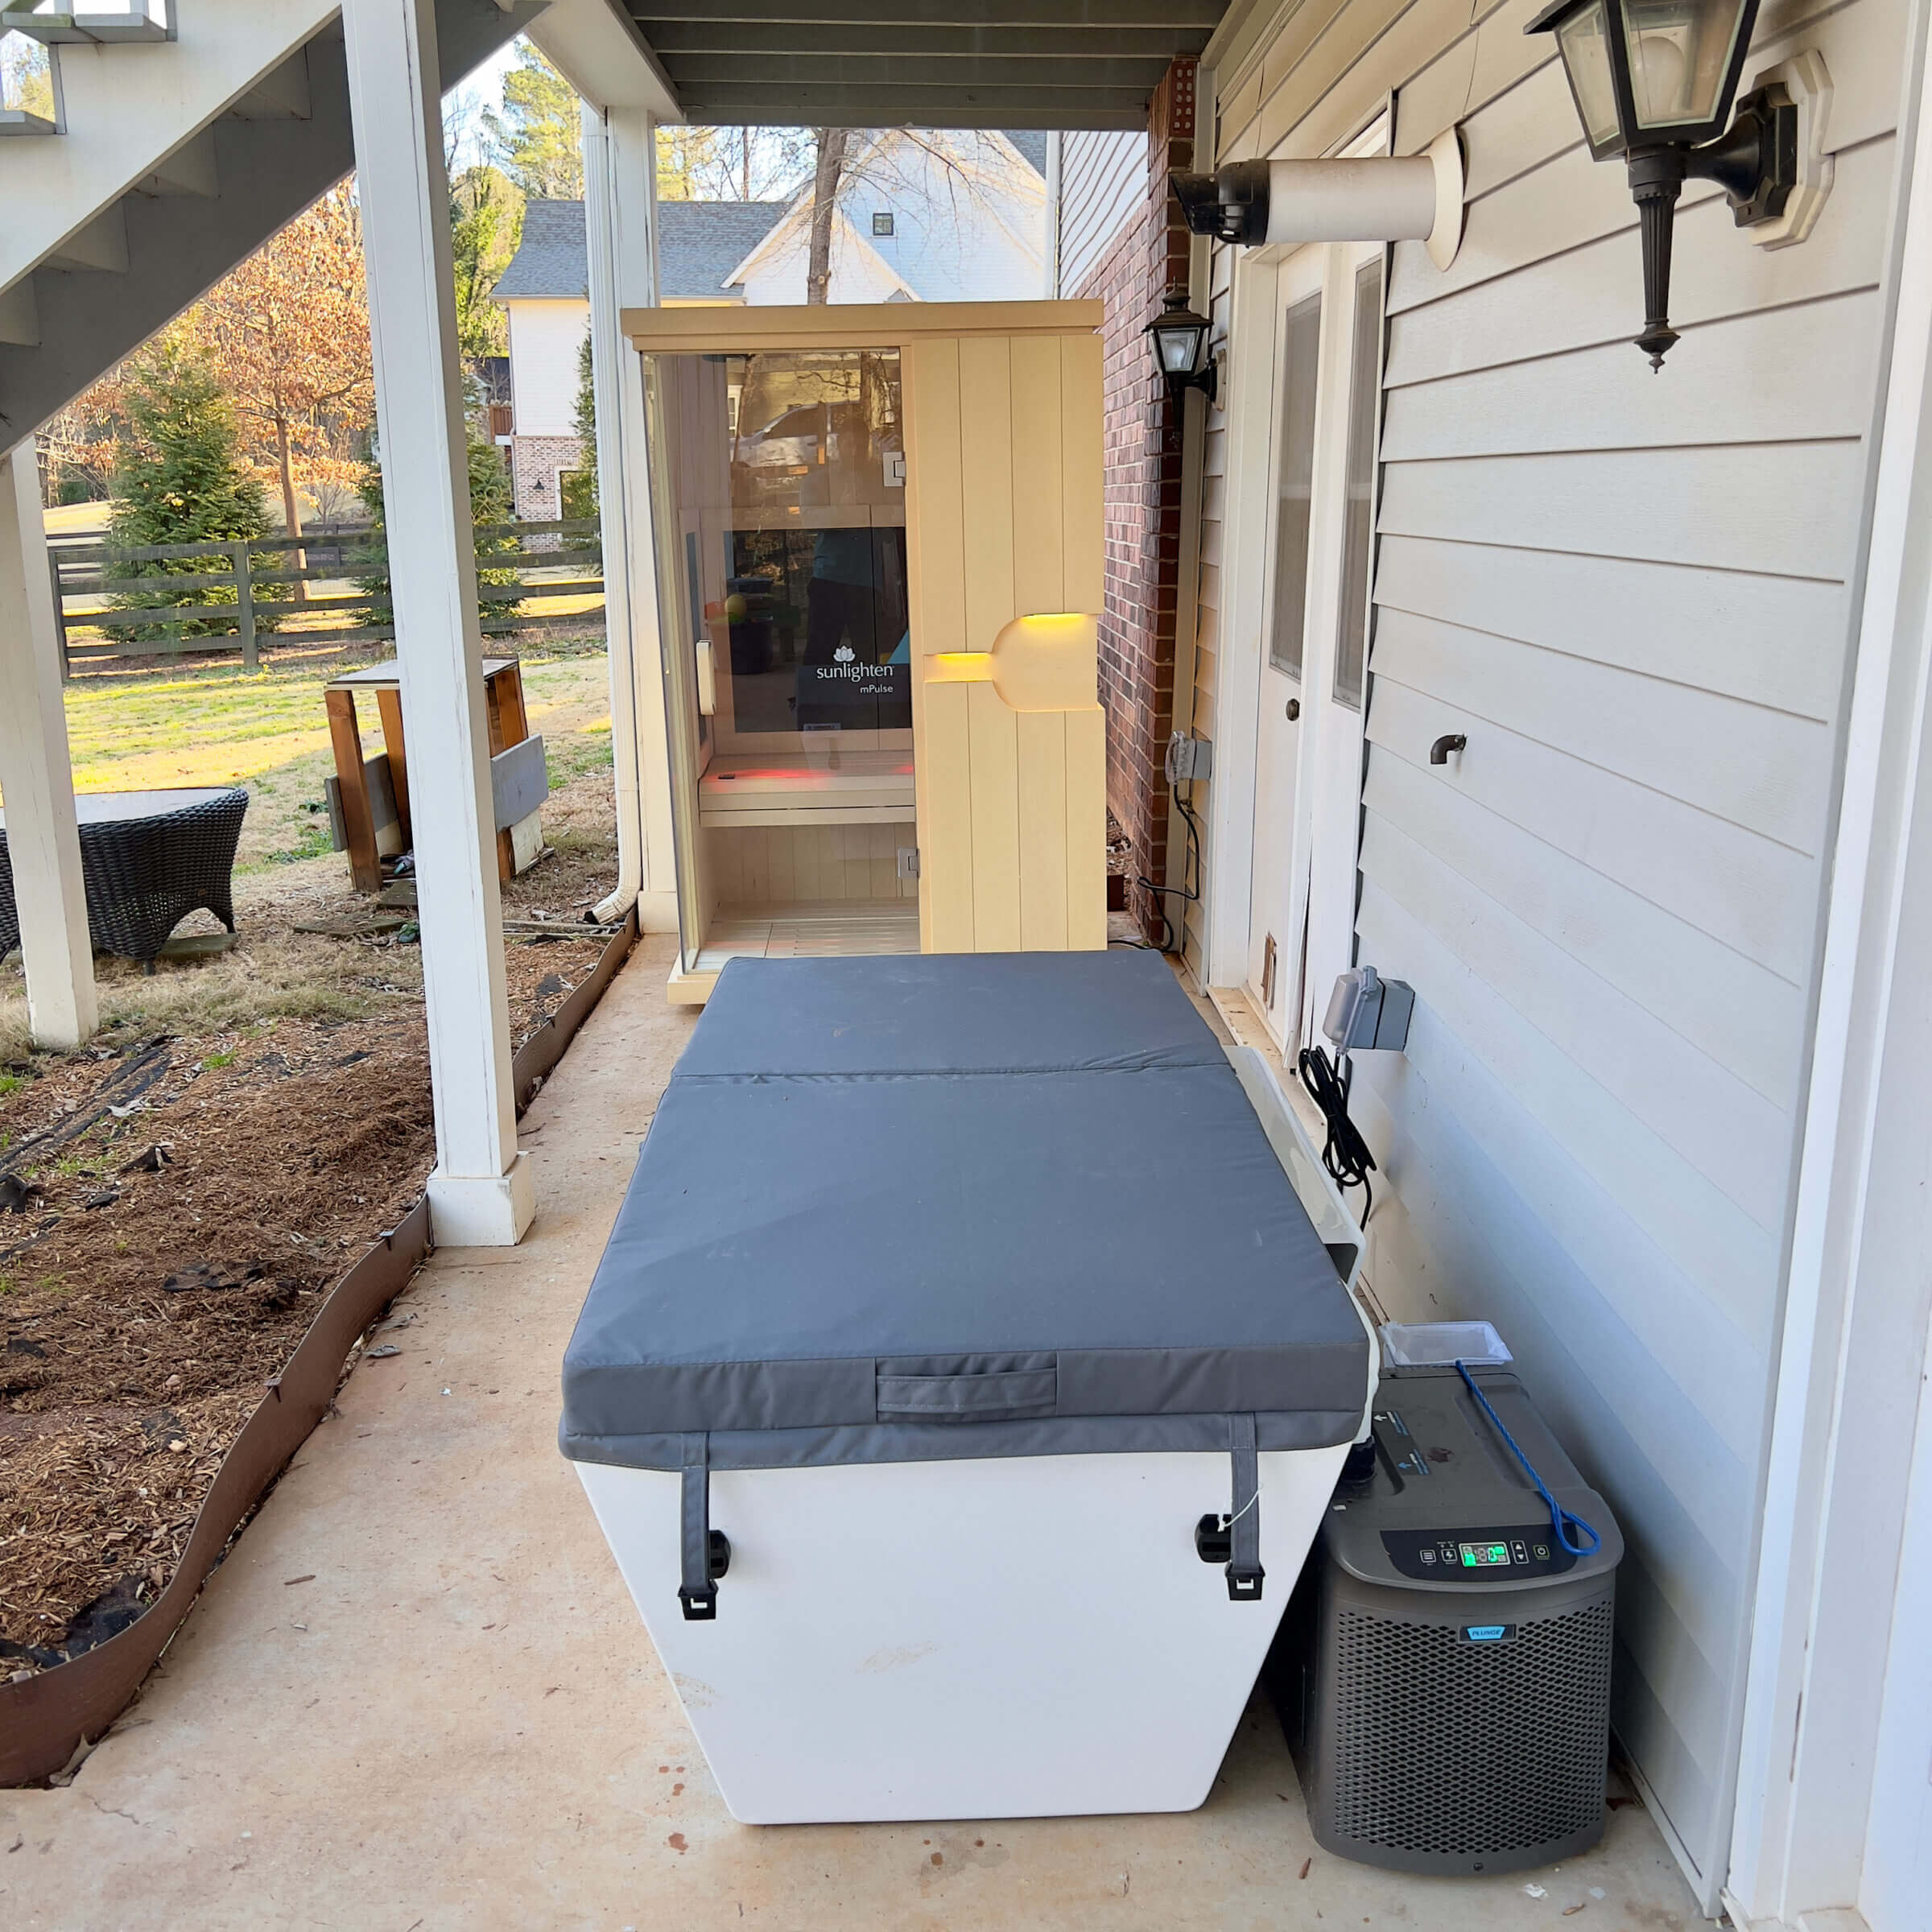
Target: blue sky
{"points": [[483, 88]]}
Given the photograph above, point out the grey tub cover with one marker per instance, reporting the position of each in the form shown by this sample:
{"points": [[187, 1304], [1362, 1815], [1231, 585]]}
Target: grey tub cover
{"points": [[911, 1208]]}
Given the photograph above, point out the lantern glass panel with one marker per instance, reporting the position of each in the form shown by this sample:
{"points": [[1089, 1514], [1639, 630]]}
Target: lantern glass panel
{"points": [[1584, 42], [1680, 53], [1179, 346]]}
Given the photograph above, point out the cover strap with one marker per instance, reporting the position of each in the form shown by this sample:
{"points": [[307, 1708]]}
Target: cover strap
{"points": [[1245, 1572], [697, 1593]]}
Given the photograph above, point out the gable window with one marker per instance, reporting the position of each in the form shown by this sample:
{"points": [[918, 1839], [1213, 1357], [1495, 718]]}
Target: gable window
{"points": [[881, 224]]}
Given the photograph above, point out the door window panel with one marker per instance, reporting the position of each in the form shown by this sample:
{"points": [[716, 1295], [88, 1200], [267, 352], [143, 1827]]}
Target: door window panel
{"points": [[1364, 387], [1300, 365]]}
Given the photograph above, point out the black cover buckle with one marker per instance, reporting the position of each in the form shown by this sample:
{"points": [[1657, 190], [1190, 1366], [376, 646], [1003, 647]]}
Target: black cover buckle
{"points": [[701, 1606], [1214, 1543], [1244, 1586]]}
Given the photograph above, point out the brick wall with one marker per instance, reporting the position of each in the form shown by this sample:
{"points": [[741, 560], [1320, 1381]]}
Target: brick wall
{"points": [[534, 464], [1143, 497]]}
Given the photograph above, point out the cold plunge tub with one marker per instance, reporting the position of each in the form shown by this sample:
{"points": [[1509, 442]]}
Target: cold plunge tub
{"points": [[953, 1290]]}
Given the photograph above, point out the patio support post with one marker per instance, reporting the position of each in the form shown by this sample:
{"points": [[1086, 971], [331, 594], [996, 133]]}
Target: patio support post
{"points": [[43, 845], [620, 209], [480, 1194]]}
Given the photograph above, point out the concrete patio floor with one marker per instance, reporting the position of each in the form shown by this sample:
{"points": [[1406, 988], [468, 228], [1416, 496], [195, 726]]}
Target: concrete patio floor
{"points": [[417, 1697]]}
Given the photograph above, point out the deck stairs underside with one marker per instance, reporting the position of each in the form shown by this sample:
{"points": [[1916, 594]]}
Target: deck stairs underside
{"points": [[177, 148]]}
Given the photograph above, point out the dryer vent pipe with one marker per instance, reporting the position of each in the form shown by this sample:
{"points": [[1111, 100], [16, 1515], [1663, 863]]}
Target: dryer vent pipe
{"points": [[1379, 198]]}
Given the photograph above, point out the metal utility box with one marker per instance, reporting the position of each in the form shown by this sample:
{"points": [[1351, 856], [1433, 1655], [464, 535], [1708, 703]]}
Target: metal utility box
{"points": [[1443, 1670]]}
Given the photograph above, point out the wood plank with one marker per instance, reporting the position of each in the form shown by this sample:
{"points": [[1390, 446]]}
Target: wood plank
{"points": [[946, 912], [1745, 1017], [1087, 829], [1764, 770], [1039, 456], [1041, 747], [1765, 640], [936, 517], [986, 486], [1593, 293], [1082, 473], [388, 708], [996, 820], [365, 866], [1751, 508], [851, 324], [1733, 1137]]}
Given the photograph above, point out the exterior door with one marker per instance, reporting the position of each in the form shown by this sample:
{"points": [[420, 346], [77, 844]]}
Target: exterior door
{"points": [[1275, 907], [1308, 746], [1340, 615]]}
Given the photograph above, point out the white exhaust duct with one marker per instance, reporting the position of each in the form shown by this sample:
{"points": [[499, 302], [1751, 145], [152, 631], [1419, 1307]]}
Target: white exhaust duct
{"points": [[1381, 198]]}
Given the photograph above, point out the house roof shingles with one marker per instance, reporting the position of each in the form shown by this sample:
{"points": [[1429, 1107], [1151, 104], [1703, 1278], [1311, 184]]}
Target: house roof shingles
{"points": [[699, 244]]}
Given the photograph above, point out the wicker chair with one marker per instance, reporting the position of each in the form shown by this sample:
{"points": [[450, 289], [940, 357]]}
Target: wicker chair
{"points": [[145, 872]]}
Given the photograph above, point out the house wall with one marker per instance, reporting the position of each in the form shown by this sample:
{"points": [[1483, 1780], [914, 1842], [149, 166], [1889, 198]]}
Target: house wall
{"points": [[1628, 591], [545, 339], [1103, 185], [536, 464], [778, 275], [968, 226], [1148, 256]]}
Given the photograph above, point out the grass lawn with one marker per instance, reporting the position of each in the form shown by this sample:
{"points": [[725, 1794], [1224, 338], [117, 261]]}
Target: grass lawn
{"points": [[223, 725]]}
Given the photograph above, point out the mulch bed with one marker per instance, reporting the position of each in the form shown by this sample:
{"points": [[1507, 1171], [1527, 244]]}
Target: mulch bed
{"points": [[172, 1213]]}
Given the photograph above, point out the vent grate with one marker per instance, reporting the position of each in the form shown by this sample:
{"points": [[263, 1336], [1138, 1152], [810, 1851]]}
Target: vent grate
{"points": [[1467, 1750]]}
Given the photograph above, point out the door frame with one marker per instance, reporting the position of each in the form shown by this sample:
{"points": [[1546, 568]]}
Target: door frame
{"points": [[1253, 430]]}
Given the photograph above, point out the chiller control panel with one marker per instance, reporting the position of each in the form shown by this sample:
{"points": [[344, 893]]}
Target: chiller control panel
{"points": [[1487, 1555]]}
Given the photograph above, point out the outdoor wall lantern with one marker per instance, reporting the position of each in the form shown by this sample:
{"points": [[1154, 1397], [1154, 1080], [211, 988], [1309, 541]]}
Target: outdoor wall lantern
{"points": [[1653, 81], [1180, 347]]}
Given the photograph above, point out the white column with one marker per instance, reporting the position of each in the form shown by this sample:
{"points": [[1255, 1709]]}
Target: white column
{"points": [[43, 846], [1852, 1349], [619, 206], [480, 1194], [619, 191]]}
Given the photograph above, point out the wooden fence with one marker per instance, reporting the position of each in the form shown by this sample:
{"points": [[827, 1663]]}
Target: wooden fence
{"points": [[100, 603]]}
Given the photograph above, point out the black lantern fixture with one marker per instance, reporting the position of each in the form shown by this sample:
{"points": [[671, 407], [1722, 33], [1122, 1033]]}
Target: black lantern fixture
{"points": [[1653, 81], [1180, 347]]}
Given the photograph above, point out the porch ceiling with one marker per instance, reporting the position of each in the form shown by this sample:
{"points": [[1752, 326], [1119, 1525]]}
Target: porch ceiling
{"points": [[1047, 63]]}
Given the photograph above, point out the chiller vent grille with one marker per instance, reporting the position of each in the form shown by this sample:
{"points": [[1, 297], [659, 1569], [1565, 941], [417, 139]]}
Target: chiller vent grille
{"points": [[1464, 1749]]}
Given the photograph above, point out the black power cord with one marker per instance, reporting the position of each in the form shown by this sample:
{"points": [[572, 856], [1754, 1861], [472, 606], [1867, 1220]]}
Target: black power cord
{"points": [[1189, 890], [1344, 1153]]}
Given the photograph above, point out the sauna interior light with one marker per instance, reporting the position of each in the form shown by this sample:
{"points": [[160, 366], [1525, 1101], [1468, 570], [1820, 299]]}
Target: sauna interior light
{"points": [[1653, 81]]}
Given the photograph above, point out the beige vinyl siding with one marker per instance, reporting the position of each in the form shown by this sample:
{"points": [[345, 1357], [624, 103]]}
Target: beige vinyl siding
{"points": [[1627, 590], [1103, 180], [1211, 604]]}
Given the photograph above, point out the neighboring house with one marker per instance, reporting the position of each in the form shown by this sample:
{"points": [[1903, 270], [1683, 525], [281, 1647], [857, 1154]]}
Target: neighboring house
{"points": [[927, 216], [1625, 1126], [544, 294]]}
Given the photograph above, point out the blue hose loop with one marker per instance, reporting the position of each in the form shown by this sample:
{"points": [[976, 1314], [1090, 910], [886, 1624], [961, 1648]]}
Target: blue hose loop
{"points": [[1559, 1518]]}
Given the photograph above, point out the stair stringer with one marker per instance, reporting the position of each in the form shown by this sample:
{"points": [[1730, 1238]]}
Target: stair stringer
{"points": [[178, 246]]}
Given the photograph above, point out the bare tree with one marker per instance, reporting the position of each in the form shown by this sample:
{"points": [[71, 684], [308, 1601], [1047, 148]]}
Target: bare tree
{"points": [[832, 143]]}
